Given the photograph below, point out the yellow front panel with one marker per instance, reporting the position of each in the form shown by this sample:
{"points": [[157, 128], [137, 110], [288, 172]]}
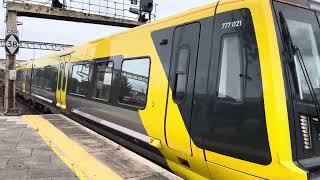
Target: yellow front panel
{"points": [[282, 166]]}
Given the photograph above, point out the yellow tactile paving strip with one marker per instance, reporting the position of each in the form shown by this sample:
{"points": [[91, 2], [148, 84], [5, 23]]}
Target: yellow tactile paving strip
{"points": [[73, 155]]}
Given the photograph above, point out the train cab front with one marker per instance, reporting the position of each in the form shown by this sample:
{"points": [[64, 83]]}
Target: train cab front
{"points": [[299, 43]]}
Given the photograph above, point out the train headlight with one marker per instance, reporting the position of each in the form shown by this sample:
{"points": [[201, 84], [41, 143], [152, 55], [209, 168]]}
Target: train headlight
{"points": [[305, 129]]}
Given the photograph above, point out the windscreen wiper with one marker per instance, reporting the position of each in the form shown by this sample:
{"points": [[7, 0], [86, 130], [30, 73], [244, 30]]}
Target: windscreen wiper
{"points": [[293, 52], [307, 77]]}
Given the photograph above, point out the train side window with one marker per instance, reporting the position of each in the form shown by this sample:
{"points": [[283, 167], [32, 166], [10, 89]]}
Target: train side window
{"points": [[79, 81], [28, 79], [35, 78], [34, 72], [102, 84], [40, 78], [20, 76], [49, 78], [230, 85], [181, 74], [134, 81]]}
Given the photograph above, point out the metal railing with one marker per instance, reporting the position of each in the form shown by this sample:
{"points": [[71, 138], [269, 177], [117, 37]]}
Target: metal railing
{"points": [[110, 8]]}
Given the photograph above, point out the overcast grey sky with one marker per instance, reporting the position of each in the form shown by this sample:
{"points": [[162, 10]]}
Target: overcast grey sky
{"points": [[63, 32]]}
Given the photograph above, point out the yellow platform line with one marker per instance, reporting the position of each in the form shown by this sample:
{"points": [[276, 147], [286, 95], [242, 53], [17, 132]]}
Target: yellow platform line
{"points": [[72, 154]]}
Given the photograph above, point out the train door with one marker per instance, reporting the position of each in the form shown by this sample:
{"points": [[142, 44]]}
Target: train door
{"points": [[181, 80], [233, 125], [62, 82]]}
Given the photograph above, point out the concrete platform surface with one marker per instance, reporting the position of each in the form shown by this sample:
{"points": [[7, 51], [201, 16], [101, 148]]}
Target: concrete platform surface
{"points": [[24, 155], [57, 147]]}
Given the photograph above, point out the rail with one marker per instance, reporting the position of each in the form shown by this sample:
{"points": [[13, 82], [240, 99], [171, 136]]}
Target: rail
{"points": [[119, 9]]}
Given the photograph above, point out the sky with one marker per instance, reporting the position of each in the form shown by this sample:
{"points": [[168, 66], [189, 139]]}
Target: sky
{"points": [[43, 30]]}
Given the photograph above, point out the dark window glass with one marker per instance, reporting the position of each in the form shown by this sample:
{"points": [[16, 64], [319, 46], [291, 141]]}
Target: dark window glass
{"points": [[40, 78], [183, 60], [19, 76], [235, 124], [64, 76], [35, 78], [45, 78], [79, 82], [28, 79], [182, 80], [103, 79], [134, 82], [239, 127], [230, 69], [50, 78], [181, 74]]}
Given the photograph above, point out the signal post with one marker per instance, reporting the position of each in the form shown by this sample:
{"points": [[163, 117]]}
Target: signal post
{"points": [[12, 47]]}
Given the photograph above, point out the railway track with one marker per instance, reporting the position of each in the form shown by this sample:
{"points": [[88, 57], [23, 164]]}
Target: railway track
{"points": [[27, 109]]}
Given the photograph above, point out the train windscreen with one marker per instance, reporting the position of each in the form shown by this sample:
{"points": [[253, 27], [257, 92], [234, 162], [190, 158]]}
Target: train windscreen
{"points": [[300, 47]]}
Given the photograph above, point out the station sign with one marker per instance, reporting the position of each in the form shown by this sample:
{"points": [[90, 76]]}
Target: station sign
{"points": [[12, 42]]}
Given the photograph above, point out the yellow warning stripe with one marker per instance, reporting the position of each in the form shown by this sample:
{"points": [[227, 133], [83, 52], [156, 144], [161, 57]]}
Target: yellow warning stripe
{"points": [[72, 154]]}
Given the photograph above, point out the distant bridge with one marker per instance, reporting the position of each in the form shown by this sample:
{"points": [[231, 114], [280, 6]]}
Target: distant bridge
{"points": [[134, 76]]}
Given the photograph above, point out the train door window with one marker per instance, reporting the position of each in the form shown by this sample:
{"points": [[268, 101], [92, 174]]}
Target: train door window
{"points": [[35, 78], [28, 79], [40, 76], [230, 70], [27, 75], [181, 74], [79, 81], [103, 79], [19, 77], [134, 81], [236, 125], [50, 78]]}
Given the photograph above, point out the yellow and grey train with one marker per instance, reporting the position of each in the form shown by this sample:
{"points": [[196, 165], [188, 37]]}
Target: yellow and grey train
{"points": [[230, 90]]}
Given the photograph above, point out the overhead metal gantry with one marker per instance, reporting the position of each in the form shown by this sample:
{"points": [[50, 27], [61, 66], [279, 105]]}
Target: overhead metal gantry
{"points": [[39, 45], [105, 12]]}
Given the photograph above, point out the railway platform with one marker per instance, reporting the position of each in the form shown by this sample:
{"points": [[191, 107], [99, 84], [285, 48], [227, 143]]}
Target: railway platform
{"points": [[56, 147]]}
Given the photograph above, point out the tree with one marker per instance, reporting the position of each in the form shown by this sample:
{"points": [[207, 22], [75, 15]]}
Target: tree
{"points": [[125, 87]]}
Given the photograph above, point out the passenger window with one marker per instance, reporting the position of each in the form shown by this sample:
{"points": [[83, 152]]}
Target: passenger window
{"points": [[230, 69], [134, 81], [102, 85], [50, 78], [40, 78], [181, 74], [79, 82]]}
